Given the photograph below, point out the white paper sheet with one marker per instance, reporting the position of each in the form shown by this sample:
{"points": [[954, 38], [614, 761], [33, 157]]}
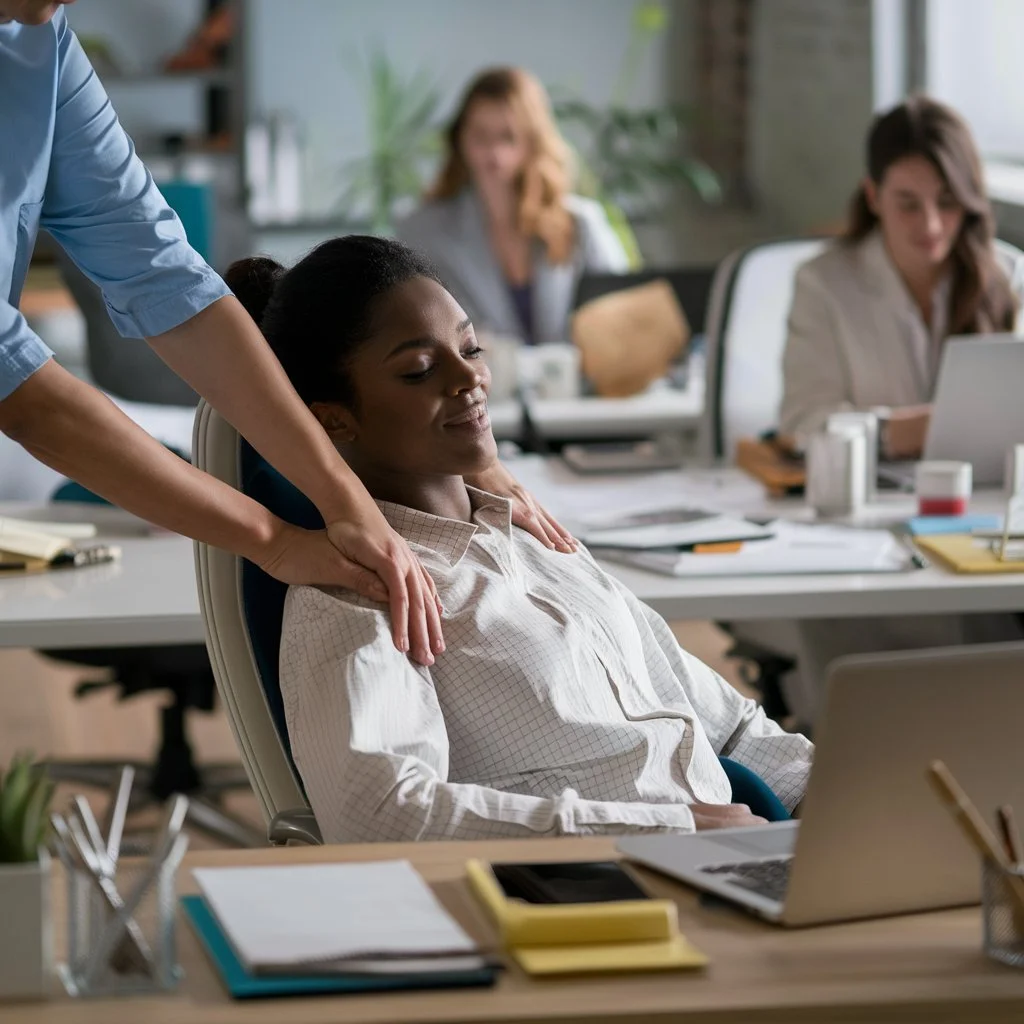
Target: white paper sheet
{"points": [[288, 915], [796, 549]]}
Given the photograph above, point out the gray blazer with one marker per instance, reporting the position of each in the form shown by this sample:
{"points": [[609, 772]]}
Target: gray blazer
{"points": [[452, 233]]}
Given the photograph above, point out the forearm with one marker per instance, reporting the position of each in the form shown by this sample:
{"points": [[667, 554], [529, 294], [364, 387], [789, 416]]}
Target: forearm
{"points": [[222, 355], [393, 800], [74, 429]]}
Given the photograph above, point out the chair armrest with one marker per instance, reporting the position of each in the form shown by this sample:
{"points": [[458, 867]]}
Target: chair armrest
{"points": [[296, 825]]}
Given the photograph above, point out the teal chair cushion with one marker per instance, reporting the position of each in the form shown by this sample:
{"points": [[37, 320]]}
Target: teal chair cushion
{"points": [[749, 788]]}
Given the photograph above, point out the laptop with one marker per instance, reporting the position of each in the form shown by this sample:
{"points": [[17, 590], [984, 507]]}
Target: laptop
{"points": [[874, 838], [978, 408]]}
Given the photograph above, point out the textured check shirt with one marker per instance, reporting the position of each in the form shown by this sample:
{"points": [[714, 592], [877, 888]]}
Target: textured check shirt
{"points": [[562, 706]]}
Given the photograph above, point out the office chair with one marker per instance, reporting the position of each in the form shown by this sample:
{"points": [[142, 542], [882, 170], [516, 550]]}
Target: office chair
{"points": [[129, 369], [242, 609], [749, 306]]}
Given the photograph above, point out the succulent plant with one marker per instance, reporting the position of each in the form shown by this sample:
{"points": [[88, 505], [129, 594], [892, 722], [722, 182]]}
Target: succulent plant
{"points": [[25, 795]]}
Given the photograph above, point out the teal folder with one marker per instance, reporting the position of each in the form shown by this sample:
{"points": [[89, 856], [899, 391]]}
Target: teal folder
{"points": [[243, 985]]}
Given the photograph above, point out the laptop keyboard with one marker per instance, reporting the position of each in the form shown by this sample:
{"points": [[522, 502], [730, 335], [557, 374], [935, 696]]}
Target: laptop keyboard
{"points": [[768, 878]]}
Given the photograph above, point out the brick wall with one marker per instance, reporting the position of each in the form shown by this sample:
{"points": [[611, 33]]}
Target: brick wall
{"points": [[811, 98]]}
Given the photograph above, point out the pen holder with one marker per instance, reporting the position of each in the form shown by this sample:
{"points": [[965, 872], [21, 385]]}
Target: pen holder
{"points": [[122, 941], [1002, 915]]}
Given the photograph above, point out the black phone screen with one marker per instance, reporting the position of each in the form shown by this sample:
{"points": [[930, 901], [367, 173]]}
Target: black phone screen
{"points": [[581, 882]]}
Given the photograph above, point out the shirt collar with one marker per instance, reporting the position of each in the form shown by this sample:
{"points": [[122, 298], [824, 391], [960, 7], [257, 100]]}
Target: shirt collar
{"points": [[449, 538], [885, 279]]}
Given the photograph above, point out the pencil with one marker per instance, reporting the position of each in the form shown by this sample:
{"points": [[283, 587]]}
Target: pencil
{"points": [[1010, 836], [973, 826]]}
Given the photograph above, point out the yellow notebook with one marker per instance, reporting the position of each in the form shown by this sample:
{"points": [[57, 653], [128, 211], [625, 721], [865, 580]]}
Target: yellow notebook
{"points": [[963, 553], [569, 938]]}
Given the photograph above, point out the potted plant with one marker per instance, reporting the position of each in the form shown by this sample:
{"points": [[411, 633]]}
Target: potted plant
{"points": [[26, 941], [630, 157], [402, 111]]}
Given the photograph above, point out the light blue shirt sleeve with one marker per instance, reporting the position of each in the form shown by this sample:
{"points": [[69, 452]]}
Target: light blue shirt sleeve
{"points": [[21, 352], [102, 206]]}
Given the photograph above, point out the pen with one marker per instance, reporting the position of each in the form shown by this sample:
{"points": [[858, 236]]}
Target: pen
{"points": [[917, 560], [1010, 836]]}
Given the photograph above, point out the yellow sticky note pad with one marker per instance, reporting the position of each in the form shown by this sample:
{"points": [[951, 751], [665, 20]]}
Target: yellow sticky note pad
{"points": [[578, 938], [605, 957]]}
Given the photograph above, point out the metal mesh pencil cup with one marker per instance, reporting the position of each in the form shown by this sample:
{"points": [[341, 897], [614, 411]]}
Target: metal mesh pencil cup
{"points": [[1002, 918]]}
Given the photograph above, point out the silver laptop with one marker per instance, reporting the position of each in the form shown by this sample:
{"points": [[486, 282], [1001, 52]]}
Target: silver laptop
{"points": [[873, 837], [978, 411]]}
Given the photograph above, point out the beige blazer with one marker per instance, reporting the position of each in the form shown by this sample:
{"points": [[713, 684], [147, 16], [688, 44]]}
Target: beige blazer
{"points": [[857, 339], [453, 234]]}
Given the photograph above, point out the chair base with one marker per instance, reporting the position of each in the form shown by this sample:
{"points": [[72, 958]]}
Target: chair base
{"points": [[205, 813]]}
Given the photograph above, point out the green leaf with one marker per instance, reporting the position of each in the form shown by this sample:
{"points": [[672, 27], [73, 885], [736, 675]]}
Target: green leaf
{"points": [[36, 821]]}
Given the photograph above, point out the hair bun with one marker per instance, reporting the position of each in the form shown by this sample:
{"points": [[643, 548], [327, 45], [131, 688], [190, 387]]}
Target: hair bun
{"points": [[253, 281]]}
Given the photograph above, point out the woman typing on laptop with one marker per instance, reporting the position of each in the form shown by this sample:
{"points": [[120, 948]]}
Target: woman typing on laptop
{"points": [[918, 264], [562, 704]]}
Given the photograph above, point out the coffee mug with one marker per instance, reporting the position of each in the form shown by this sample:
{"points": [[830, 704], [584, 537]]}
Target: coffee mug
{"points": [[501, 353], [556, 371], [835, 462]]}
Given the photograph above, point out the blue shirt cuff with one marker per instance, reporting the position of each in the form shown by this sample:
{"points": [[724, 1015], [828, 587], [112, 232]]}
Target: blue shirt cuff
{"points": [[172, 311], [20, 357]]}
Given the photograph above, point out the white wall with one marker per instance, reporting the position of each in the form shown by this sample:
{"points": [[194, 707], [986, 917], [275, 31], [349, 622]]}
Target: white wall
{"points": [[812, 96], [305, 56]]}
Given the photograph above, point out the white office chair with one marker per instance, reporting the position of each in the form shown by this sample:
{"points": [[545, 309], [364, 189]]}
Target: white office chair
{"points": [[750, 299], [216, 449]]}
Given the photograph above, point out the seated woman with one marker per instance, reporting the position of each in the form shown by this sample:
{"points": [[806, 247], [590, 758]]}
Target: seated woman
{"points": [[918, 264], [562, 705], [498, 223]]}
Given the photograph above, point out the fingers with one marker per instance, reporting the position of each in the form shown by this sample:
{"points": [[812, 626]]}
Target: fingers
{"points": [[563, 539], [544, 527], [398, 602], [364, 582], [433, 608]]}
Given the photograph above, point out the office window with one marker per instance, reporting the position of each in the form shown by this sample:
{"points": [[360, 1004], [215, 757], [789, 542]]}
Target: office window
{"points": [[973, 62]]}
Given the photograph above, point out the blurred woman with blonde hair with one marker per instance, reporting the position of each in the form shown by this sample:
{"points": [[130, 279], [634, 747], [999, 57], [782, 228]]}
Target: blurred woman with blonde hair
{"points": [[500, 224]]}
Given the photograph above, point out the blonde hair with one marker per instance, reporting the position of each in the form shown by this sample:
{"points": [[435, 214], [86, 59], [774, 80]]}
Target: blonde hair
{"points": [[544, 181]]}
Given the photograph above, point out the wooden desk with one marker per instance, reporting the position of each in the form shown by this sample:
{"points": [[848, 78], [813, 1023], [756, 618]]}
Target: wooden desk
{"points": [[926, 969]]}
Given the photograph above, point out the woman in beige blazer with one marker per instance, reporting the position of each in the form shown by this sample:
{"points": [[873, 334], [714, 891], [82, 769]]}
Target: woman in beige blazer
{"points": [[499, 224], [917, 264]]}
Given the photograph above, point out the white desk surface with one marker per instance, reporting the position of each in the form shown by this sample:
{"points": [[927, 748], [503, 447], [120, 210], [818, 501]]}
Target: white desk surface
{"points": [[916, 592], [150, 597]]}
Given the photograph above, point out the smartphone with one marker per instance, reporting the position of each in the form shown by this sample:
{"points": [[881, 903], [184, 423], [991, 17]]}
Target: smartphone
{"points": [[578, 882]]}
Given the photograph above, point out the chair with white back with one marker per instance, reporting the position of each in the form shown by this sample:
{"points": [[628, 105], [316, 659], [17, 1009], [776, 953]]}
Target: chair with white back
{"points": [[746, 332]]}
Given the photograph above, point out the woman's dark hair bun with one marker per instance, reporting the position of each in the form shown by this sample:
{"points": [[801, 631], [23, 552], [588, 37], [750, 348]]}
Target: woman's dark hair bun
{"points": [[253, 281]]}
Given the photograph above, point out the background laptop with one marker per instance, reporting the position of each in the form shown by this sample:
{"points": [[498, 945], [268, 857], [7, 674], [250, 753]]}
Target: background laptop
{"points": [[874, 838], [978, 409]]}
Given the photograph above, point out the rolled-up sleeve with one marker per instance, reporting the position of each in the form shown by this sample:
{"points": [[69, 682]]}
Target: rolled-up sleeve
{"points": [[21, 352], [103, 207]]}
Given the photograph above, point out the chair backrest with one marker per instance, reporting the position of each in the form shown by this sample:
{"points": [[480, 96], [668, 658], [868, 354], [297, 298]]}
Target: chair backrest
{"points": [[692, 286], [126, 367], [242, 607], [746, 332]]}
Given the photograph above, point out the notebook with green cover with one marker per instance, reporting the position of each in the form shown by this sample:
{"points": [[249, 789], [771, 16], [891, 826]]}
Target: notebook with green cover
{"points": [[243, 985]]}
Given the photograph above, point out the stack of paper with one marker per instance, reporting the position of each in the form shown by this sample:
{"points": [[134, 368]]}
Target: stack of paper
{"points": [[680, 528], [376, 919], [40, 540], [795, 548]]}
